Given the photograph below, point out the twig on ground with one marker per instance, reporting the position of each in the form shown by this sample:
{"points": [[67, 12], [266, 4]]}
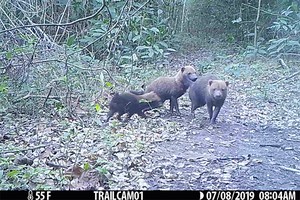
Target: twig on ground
{"points": [[286, 78], [55, 165], [290, 169], [29, 95], [21, 150], [270, 145], [282, 63]]}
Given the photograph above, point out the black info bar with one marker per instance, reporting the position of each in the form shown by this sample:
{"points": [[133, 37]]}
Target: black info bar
{"points": [[153, 195]]}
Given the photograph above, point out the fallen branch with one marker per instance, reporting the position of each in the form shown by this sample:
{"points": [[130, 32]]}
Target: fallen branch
{"points": [[270, 145], [21, 150], [282, 63], [29, 95], [286, 78], [234, 158], [290, 169], [55, 165]]}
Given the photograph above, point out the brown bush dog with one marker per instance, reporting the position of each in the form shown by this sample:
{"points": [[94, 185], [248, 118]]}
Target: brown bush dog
{"points": [[171, 88], [129, 103], [210, 91]]}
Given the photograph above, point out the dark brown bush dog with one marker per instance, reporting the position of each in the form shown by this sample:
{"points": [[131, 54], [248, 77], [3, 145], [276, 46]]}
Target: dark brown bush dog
{"points": [[129, 103]]}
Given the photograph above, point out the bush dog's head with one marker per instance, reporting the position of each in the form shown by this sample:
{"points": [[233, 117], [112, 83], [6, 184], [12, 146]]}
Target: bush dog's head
{"points": [[218, 89], [188, 74]]}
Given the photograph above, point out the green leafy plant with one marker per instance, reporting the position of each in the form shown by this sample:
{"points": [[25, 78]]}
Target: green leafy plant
{"points": [[287, 31]]}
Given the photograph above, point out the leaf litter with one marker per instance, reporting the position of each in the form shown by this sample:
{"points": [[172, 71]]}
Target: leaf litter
{"points": [[167, 152]]}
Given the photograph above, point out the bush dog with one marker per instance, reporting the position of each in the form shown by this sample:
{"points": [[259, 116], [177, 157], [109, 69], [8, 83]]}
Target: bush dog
{"points": [[171, 88], [209, 90]]}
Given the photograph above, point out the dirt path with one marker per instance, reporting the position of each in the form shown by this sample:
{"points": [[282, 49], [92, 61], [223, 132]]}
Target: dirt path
{"points": [[248, 149], [230, 156]]}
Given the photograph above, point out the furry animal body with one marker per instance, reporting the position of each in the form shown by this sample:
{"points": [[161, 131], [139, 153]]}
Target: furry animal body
{"points": [[129, 103], [171, 88], [209, 90]]}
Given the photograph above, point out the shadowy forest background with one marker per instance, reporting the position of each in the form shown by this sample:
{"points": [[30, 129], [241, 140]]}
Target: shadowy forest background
{"points": [[55, 54], [62, 59]]}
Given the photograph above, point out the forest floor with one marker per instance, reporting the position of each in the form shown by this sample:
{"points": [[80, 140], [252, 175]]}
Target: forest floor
{"points": [[254, 145], [231, 155]]}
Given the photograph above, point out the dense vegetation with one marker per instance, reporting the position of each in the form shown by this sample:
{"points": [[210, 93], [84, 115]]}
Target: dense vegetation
{"points": [[75, 47], [62, 59]]}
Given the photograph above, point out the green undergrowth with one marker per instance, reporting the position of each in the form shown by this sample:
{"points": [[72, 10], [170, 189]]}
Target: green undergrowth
{"points": [[266, 87]]}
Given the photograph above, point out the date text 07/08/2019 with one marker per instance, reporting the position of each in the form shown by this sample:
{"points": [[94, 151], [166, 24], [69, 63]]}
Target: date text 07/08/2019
{"points": [[250, 195]]}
